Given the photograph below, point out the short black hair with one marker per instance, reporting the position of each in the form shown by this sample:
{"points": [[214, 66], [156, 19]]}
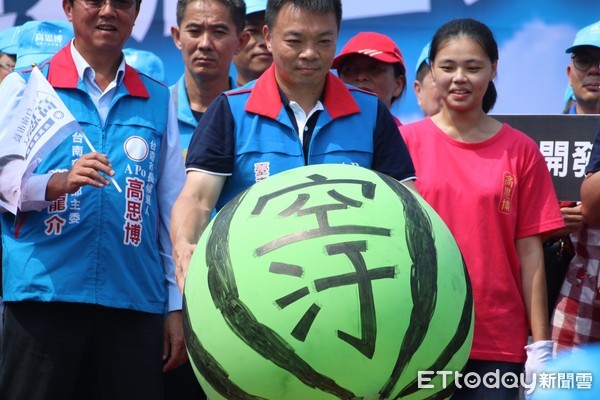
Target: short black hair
{"points": [[13, 57], [424, 68], [73, 1], [237, 11], [316, 6]]}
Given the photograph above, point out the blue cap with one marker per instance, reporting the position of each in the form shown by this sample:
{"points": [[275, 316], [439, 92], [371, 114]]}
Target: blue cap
{"points": [[253, 6], [569, 95], [424, 57], [146, 62], [40, 40], [9, 40], [588, 36]]}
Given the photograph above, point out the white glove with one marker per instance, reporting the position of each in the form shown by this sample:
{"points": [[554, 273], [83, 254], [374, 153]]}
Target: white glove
{"points": [[538, 354]]}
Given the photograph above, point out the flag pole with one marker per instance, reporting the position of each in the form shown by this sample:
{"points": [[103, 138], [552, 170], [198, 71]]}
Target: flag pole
{"points": [[91, 146]]}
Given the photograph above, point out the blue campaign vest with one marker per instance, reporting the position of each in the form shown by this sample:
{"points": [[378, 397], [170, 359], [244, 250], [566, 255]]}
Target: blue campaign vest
{"points": [[97, 246], [260, 139], [185, 119]]}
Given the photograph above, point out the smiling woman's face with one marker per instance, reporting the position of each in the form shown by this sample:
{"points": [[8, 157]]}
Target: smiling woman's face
{"points": [[462, 72]]}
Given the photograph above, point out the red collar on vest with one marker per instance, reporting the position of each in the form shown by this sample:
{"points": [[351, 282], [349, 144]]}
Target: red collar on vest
{"points": [[63, 74], [265, 99]]}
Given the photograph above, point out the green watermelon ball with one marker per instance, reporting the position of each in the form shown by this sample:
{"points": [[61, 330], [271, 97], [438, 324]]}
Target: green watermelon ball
{"points": [[326, 282]]}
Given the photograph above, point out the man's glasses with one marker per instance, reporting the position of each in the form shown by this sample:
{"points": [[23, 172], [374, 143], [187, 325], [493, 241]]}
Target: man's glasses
{"points": [[7, 66], [583, 62], [118, 4]]}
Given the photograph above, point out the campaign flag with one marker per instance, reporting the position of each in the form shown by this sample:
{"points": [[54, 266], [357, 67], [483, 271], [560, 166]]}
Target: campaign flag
{"points": [[38, 122]]}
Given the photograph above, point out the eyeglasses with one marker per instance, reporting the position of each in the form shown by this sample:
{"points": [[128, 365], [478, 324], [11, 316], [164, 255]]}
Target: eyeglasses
{"points": [[583, 62], [118, 4], [7, 66]]}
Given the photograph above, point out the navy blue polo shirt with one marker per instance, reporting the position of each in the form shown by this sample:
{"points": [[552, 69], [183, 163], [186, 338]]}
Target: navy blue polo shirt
{"points": [[594, 163], [212, 145]]}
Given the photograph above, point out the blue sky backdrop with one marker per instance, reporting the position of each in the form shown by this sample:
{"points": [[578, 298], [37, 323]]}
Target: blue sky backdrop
{"points": [[532, 35]]}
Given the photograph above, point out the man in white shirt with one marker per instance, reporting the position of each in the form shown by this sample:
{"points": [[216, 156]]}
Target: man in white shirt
{"points": [[92, 308]]}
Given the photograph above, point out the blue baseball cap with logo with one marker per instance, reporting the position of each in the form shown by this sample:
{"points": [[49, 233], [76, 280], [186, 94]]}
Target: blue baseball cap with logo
{"points": [[424, 56], [253, 6], [145, 61], [588, 36], [9, 40], [40, 40]]}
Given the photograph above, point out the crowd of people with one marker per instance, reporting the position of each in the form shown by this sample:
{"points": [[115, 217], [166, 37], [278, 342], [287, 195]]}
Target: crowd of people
{"points": [[92, 276]]}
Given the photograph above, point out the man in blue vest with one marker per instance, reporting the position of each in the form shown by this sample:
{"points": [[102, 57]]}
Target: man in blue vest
{"points": [[208, 34], [92, 308], [287, 118], [576, 318], [254, 58]]}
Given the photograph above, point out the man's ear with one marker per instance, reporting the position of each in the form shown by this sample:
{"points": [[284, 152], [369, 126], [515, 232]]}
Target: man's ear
{"points": [[175, 34], [417, 88], [243, 39], [569, 73], [67, 8], [267, 35]]}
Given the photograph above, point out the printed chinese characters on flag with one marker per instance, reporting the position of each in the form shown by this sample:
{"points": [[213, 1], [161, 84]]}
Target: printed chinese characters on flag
{"points": [[32, 126]]}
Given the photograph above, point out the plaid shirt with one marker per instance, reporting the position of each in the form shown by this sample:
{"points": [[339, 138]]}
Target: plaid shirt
{"points": [[576, 319]]}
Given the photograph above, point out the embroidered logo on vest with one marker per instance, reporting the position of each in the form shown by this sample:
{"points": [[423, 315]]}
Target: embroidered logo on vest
{"points": [[261, 171]]}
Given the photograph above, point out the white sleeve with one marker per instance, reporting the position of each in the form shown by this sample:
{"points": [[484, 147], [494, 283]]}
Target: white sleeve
{"points": [[171, 177], [33, 192]]}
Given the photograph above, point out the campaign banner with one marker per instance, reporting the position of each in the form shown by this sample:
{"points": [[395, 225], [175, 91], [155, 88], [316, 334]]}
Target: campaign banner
{"points": [[37, 123], [565, 141]]}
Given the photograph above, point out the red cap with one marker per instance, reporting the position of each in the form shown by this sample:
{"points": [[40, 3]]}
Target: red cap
{"points": [[372, 44]]}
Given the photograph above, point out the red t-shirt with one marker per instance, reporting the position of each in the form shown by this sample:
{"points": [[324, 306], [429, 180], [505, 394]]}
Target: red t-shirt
{"points": [[489, 194]]}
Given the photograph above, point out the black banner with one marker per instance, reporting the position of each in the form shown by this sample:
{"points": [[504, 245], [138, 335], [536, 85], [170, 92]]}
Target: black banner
{"points": [[565, 142]]}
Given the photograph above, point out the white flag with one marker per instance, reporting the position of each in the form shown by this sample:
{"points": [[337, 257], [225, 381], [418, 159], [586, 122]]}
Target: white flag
{"points": [[39, 123]]}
